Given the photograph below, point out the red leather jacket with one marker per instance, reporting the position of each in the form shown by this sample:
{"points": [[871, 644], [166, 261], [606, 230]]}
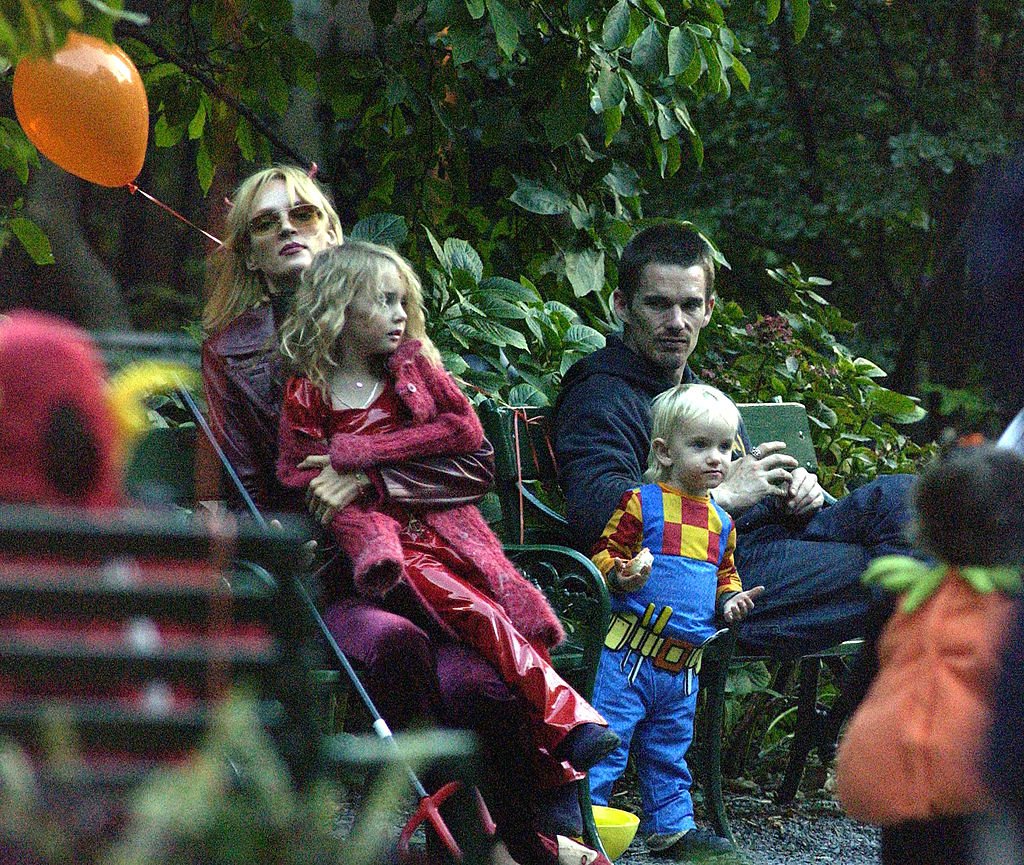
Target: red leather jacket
{"points": [[244, 384], [441, 419]]}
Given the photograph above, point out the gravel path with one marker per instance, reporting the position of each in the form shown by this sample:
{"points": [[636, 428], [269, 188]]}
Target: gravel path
{"points": [[808, 832]]}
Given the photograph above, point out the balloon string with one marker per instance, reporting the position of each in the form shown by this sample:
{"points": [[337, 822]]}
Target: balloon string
{"points": [[133, 188]]}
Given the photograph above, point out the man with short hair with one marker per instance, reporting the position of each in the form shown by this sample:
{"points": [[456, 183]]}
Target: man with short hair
{"points": [[808, 556]]}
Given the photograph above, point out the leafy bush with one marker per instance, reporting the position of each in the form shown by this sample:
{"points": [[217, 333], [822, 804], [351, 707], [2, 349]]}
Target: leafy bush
{"points": [[796, 356], [506, 342]]}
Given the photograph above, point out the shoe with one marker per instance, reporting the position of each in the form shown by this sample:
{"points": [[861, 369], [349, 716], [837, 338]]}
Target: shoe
{"points": [[557, 811], [586, 746], [697, 845], [571, 852]]}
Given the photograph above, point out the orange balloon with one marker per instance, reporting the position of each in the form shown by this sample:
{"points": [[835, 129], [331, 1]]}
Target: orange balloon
{"points": [[85, 108]]}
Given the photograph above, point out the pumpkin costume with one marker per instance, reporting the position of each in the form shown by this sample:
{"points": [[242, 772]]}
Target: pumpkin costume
{"points": [[911, 759]]}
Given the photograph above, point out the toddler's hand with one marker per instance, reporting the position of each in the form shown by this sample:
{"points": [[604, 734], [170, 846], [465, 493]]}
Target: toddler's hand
{"points": [[632, 575], [740, 604]]}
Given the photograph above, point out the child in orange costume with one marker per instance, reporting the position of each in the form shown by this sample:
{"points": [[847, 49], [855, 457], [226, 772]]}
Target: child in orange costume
{"points": [[910, 760]]}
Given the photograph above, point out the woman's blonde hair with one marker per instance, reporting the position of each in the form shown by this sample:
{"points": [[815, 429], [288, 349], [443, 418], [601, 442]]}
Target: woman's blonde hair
{"points": [[683, 406], [233, 287], [309, 335]]}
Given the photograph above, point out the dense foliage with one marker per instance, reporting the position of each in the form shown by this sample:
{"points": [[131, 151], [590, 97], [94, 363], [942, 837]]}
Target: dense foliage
{"points": [[536, 131]]}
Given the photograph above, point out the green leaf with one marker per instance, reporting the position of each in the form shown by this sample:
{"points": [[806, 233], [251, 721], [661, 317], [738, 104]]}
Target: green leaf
{"points": [[863, 366], [165, 135], [656, 9], [275, 89], [692, 73], [623, 180], [526, 394], [801, 18], [198, 122], [579, 10], [668, 124], [438, 249], [741, 73], [585, 337], [585, 271], [609, 88], [774, 6], [388, 229], [697, 146], [509, 289], [476, 9], [32, 238], [680, 51], [535, 198], [204, 167], [465, 44], [897, 407], [568, 114], [612, 123], [461, 256], [648, 50], [498, 334], [616, 26], [506, 29], [244, 140]]}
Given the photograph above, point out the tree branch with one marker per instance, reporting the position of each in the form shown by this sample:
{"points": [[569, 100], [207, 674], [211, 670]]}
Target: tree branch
{"points": [[801, 108], [222, 93]]}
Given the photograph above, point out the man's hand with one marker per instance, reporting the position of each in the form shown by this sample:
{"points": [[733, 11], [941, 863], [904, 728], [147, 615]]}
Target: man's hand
{"points": [[805, 495], [739, 605], [765, 471], [329, 491], [632, 575]]}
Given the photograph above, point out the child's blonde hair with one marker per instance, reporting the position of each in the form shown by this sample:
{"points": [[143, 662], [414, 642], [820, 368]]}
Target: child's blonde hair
{"points": [[233, 287], [686, 405], [310, 333]]}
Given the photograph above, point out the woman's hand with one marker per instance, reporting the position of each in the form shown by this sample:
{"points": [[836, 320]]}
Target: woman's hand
{"points": [[329, 491]]}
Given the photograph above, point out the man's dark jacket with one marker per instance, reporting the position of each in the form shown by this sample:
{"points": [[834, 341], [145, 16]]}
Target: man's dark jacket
{"points": [[602, 432]]}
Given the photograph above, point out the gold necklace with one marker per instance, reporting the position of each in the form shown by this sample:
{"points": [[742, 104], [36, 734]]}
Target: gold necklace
{"points": [[370, 397]]}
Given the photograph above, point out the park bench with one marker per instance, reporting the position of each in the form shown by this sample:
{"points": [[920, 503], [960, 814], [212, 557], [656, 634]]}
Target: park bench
{"points": [[163, 470], [529, 504], [131, 626]]}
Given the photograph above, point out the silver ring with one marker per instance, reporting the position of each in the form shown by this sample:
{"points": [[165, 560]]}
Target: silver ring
{"points": [[755, 453]]}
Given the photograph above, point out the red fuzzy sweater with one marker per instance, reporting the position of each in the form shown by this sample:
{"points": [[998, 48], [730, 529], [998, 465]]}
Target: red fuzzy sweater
{"points": [[442, 422]]}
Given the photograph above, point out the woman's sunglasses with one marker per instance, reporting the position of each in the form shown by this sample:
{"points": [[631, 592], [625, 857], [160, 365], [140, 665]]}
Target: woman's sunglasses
{"points": [[304, 218]]}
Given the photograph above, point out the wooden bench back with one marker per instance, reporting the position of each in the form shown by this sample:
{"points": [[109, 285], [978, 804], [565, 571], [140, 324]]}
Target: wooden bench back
{"points": [[132, 627], [526, 477], [781, 421]]}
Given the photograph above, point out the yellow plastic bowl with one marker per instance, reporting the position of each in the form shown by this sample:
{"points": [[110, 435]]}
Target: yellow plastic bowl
{"points": [[616, 828]]}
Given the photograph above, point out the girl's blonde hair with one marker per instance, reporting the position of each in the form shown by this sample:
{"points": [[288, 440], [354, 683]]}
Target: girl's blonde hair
{"points": [[686, 405], [232, 287], [309, 335]]}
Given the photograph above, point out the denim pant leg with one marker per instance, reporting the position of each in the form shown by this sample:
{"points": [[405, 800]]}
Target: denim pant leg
{"points": [[874, 516], [813, 595], [660, 745], [623, 707]]}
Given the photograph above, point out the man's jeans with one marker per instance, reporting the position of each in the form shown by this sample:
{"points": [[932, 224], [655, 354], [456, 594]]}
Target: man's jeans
{"points": [[813, 594]]}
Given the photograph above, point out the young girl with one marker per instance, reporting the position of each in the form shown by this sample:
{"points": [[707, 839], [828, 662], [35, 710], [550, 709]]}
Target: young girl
{"points": [[371, 391], [910, 759], [667, 555]]}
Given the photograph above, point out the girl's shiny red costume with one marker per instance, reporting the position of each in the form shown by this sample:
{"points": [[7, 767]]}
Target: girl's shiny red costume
{"points": [[448, 557]]}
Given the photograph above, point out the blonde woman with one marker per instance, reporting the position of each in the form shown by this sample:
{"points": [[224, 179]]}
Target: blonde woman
{"points": [[251, 279]]}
